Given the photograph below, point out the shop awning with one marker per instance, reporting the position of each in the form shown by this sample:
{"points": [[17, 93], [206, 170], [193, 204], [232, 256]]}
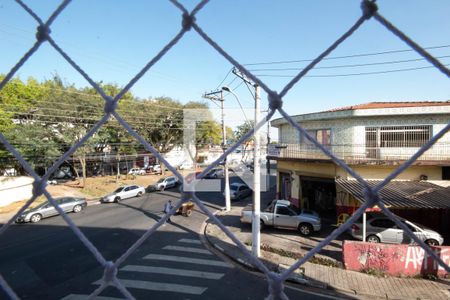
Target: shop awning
{"points": [[403, 194]]}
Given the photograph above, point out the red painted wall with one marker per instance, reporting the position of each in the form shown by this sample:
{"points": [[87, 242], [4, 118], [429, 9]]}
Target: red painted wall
{"points": [[393, 259]]}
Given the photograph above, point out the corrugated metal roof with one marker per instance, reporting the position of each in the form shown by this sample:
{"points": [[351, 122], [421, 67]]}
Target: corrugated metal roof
{"points": [[403, 194]]}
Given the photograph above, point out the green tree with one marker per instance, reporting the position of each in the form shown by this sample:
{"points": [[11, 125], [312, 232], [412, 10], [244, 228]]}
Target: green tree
{"points": [[240, 131]]}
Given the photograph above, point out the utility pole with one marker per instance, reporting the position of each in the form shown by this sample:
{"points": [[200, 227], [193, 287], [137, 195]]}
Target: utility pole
{"points": [[212, 96], [256, 234]]}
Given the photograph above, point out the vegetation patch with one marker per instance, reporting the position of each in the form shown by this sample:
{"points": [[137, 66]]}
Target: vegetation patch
{"points": [[297, 256], [374, 272]]}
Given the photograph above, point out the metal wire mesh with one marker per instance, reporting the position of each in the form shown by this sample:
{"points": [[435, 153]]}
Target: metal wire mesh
{"points": [[188, 22]]}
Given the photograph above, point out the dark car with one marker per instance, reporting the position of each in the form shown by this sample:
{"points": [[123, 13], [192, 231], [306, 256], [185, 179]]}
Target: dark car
{"points": [[46, 209]]}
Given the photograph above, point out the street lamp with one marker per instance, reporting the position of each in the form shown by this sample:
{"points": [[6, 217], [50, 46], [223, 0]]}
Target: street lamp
{"points": [[227, 89], [256, 237]]}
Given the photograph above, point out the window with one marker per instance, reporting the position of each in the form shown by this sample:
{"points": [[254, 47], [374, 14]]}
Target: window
{"points": [[398, 136], [283, 210], [383, 223], [323, 136]]}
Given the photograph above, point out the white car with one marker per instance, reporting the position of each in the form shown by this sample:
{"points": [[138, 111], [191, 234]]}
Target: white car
{"points": [[381, 229], [136, 171], [124, 192], [186, 166], [164, 183]]}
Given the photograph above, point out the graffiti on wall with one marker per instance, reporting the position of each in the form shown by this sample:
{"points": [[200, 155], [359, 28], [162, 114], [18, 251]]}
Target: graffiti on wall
{"points": [[393, 259], [418, 259]]}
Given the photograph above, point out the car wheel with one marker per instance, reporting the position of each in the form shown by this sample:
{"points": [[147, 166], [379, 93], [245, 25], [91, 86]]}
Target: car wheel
{"points": [[372, 239], [305, 229], [262, 225], [77, 208], [139, 194], [117, 199], [432, 242], [35, 218], [162, 188]]}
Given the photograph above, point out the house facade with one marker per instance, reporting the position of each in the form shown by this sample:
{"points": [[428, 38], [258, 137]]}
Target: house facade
{"points": [[373, 139]]}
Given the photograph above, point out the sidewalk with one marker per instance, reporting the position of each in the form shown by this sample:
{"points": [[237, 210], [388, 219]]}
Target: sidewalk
{"points": [[332, 278]]}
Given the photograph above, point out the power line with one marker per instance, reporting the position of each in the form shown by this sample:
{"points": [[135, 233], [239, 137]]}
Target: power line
{"points": [[96, 96], [344, 56], [352, 74], [220, 84], [347, 66], [85, 121]]}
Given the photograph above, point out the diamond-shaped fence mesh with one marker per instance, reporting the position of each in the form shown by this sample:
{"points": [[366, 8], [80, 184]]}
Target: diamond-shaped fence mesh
{"points": [[275, 101]]}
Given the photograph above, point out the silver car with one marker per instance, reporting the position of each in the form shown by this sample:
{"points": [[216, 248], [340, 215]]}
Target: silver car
{"points": [[239, 191], [46, 209], [124, 192], [379, 228], [164, 183]]}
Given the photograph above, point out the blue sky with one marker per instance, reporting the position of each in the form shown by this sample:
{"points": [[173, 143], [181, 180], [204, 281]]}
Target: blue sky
{"points": [[112, 40]]}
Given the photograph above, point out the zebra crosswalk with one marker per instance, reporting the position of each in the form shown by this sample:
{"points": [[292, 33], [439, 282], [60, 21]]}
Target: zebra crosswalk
{"points": [[185, 268]]}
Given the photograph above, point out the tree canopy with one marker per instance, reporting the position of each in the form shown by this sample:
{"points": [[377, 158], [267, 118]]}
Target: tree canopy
{"points": [[42, 120]]}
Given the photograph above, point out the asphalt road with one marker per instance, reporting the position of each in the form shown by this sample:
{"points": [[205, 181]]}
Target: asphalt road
{"points": [[47, 261]]}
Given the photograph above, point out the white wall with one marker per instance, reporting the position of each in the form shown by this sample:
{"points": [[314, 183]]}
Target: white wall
{"points": [[14, 189]]}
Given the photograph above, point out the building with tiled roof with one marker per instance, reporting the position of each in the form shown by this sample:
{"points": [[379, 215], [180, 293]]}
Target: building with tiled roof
{"points": [[372, 138]]}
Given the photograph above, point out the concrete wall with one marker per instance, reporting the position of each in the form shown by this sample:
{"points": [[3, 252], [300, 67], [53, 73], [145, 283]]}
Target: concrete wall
{"points": [[381, 172], [394, 260], [14, 189]]}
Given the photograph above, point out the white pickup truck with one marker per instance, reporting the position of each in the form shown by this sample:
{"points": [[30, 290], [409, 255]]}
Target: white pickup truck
{"points": [[282, 214]]}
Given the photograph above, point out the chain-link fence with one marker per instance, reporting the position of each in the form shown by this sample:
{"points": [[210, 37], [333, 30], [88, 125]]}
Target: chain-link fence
{"points": [[275, 101]]}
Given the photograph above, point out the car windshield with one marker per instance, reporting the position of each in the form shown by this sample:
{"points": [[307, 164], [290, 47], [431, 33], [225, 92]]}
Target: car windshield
{"points": [[233, 187], [420, 225], [118, 190], [161, 180]]}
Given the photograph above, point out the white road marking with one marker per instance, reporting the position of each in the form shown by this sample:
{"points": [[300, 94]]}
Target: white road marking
{"points": [[190, 241], [84, 297], [182, 259], [188, 249], [171, 271], [160, 286]]}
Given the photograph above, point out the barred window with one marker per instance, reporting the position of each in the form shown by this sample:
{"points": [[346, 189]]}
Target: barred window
{"points": [[399, 136]]}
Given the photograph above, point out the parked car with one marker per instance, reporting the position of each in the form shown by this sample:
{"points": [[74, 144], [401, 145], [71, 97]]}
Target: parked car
{"points": [[215, 173], [157, 169], [136, 171], [186, 166], [124, 192], [164, 183], [239, 191], [380, 228], [46, 209], [282, 214]]}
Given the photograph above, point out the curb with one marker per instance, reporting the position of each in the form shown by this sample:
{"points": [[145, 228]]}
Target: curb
{"points": [[94, 201], [239, 260], [292, 278]]}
